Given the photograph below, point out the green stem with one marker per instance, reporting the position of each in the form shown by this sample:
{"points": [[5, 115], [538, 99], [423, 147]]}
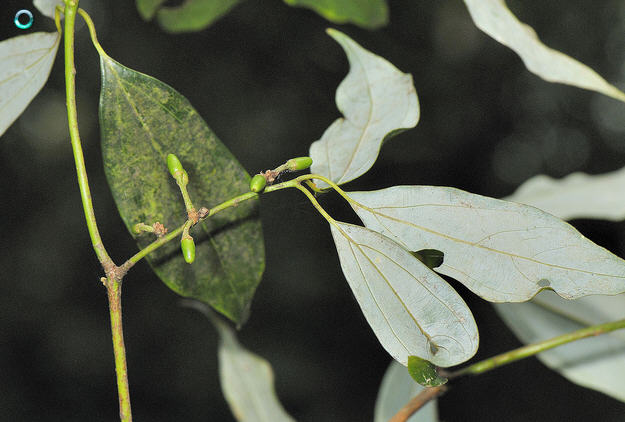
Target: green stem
{"points": [[72, 117], [533, 349], [113, 274], [114, 289]]}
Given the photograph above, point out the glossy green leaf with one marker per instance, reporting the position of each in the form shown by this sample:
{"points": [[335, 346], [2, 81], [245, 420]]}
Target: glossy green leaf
{"points": [[25, 64], [430, 257], [370, 14], [193, 15], [396, 390], [502, 251], [142, 121], [411, 309], [495, 19], [246, 379], [577, 195], [46, 7], [377, 101], [596, 362], [424, 372], [148, 8]]}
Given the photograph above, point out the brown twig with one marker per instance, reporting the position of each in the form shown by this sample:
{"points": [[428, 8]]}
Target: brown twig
{"points": [[417, 403]]}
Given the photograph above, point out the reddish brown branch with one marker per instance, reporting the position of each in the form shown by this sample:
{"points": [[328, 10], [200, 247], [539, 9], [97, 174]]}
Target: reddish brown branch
{"points": [[417, 403]]}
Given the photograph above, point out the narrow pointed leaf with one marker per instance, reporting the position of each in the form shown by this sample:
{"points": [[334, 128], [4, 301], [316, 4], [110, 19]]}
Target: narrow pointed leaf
{"points": [[502, 251], [370, 14], [26, 62], [193, 15], [596, 362], [495, 19], [424, 373], [411, 309], [46, 7], [247, 379], [577, 195], [142, 121], [396, 390], [377, 100]]}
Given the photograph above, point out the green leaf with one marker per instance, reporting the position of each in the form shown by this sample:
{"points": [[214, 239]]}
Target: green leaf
{"points": [[370, 14], [193, 15], [246, 378], [411, 310], [494, 18], [142, 121], [430, 257], [26, 64], [502, 251], [396, 390], [577, 195], [377, 101], [596, 362], [148, 8], [424, 372]]}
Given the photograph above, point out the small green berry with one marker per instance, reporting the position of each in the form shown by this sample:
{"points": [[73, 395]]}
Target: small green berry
{"points": [[299, 163], [174, 165], [188, 249], [258, 183]]}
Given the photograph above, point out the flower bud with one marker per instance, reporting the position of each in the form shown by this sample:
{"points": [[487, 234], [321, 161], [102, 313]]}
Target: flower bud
{"points": [[174, 165], [258, 183], [299, 163], [188, 249]]}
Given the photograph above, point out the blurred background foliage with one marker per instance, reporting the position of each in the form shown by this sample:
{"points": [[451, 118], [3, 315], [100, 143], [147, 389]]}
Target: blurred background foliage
{"points": [[264, 78]]}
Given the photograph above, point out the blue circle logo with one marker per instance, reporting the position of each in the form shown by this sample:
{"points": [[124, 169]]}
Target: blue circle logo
{"points": [[23, 19]]}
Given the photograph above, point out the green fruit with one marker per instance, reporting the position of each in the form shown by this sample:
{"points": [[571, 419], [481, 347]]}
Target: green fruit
{"points": [[299, 163], [188, 249], [258, 183], [174, 165]]}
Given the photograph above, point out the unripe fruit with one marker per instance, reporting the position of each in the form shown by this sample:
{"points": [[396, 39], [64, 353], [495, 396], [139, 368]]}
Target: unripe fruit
{"points": [[299, 163], [188, 249], [174, 165], [258, 183]]}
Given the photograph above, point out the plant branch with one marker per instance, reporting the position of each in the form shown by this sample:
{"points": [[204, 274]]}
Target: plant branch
{"points": [[535, 348], [417, 402], [114, 274], [72, 117]]}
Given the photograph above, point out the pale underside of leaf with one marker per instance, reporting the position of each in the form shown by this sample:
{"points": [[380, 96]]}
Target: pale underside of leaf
{"points": [[26, 62], [411, 309], [247, 379], [577, 195], [495, 19], [46, 7], [596, 362], [502, 251], [376, 100], [396, 389]]}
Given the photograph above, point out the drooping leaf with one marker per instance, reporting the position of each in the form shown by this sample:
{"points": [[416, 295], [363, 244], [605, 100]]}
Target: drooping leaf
{"points": [[148, 8], [25, 64], [423, 372], [596, 362], [246, 379], [577, 195], [142, 120], [377, 101], [193, 15], [46, 7], [495, 19], [411, 310], [396, 390], [370, 14], [502, 251]]}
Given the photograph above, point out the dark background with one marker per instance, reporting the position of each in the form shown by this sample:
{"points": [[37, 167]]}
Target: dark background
{"points": [[264, 78]]}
